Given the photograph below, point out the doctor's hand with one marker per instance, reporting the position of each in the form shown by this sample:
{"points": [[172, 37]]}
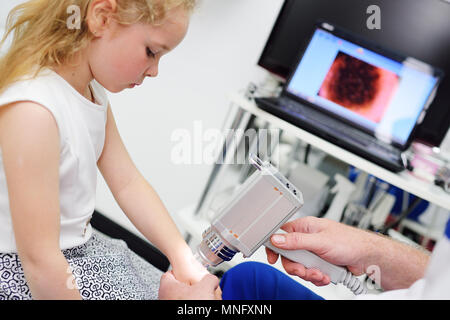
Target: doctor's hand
{"points": [[206, 289], [334, 242]]}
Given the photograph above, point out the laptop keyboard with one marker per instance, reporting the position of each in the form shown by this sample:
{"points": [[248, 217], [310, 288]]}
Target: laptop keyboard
{"points": [[338, 128]]}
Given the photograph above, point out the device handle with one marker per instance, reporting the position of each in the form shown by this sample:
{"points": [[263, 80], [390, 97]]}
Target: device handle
{"points": [[312, 261]]}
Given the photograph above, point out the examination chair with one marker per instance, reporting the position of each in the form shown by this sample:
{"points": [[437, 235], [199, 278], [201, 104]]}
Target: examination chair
{"points": [[141, 247]]}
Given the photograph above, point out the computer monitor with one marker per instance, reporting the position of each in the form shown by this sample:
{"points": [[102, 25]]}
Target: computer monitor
{"points": [[378, 91], [416, 28]]}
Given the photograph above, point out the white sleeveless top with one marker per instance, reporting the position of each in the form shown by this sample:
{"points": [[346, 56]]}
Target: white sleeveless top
{"points": [[81, 125]]}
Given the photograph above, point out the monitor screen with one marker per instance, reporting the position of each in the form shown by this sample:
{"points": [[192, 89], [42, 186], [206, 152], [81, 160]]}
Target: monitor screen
{"points": [[416, 28], [382, 95]]}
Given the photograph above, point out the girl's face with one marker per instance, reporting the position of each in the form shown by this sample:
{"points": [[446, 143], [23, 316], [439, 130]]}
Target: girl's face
{"points": [[123, 56]]}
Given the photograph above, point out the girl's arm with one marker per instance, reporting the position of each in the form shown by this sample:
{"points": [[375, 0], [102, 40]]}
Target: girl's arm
{"points": [[29, 141], [143, 207]]}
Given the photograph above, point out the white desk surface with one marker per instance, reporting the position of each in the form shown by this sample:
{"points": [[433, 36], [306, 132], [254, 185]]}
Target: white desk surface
{"points": [[403, 180]]}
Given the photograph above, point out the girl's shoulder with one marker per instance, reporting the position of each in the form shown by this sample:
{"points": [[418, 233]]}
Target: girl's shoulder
{"points": [[44, 90], [41, 85]]}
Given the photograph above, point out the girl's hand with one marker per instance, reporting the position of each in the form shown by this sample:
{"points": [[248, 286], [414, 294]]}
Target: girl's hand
{"points": [[172, 289], [187, 269]]}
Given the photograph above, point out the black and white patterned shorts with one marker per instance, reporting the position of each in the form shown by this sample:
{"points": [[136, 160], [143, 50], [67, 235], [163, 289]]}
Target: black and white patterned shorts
{"points": [[104, 269]]}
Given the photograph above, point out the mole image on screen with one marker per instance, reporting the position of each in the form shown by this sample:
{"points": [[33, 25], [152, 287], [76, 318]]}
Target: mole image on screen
{"points": [[359, 86]]}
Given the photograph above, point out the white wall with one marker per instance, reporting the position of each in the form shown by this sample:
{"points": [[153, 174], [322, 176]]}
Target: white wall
{"points": [[218, 56]]}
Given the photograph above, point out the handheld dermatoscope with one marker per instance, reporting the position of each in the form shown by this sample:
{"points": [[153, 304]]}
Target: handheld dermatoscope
{"points": [[258, 208]]}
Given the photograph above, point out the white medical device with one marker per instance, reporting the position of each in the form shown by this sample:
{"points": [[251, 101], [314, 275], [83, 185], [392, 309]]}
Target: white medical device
{"points": [[257, 210]]}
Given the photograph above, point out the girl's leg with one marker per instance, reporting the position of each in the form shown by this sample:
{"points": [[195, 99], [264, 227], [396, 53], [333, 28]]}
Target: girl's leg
{"points": [[259, 281]]}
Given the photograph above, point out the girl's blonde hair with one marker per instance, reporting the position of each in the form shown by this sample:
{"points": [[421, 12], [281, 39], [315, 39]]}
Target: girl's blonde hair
{"points": [[42, 38]]}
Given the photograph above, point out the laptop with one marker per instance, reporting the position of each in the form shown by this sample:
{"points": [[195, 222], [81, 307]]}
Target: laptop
{"points": [[357, 95]]}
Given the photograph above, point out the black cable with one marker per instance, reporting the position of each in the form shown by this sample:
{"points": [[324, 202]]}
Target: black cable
{"points": [[307, 150], [402, 215]]}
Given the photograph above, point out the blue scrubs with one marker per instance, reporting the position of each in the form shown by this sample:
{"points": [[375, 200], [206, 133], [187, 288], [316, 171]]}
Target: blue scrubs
{"points": [[259, 281]]}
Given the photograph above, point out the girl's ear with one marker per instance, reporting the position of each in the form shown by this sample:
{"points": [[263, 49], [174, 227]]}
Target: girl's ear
{"points": [[100, 15]]}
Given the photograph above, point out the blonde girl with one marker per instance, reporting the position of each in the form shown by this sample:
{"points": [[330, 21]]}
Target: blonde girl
{"points": [[57, 129]]}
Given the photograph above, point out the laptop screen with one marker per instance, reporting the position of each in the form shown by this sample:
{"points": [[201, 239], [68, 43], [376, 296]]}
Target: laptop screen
{"points": [[381, 95]]}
